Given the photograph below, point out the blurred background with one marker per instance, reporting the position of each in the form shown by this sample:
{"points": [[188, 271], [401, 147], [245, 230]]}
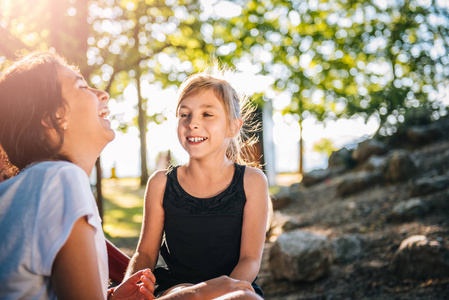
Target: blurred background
{"points": [[324, 74]]}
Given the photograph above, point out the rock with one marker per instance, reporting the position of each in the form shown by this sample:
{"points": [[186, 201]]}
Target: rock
{"points": [[420, 258], [355, 182], [346, 248], [421, 135], [440, 201], [367, 149], [398, 166], [315, 177], [426, 186], [410, 209], [282, 198], [300, 256], [374, 163], [341, 159], [281, 223], [295, 187]]}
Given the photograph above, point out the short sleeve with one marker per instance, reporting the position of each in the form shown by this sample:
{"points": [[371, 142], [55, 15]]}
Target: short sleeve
{"points": [[66, 197]]}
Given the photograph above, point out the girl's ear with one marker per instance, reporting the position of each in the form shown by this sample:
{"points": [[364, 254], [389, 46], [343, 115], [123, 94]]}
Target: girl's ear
{"points": [[48, 125], [235, 127], [61, 121]]}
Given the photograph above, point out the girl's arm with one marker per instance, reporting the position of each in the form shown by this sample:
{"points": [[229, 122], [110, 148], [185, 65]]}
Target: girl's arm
{"points": [[152, 226], [75, 273], [254, 225]]}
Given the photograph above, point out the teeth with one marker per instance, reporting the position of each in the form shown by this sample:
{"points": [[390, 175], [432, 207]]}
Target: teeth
{"points": [[103, 113], [196, 139]]}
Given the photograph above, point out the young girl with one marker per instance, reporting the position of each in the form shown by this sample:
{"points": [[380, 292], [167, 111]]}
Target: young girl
{"points": [[213, 209]]}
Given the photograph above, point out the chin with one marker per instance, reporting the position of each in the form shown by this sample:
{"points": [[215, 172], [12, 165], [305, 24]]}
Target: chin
{"points": [[112, 135], [108, 137]]}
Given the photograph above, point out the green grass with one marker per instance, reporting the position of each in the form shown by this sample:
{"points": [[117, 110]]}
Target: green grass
{"points": [[123, 212]]}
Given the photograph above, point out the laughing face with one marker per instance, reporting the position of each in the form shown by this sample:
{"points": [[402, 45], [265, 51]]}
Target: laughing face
{"points": [[203, 127], [85, 121]]}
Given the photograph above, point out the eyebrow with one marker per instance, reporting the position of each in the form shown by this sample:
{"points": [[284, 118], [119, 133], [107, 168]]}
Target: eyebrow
{"points": [[202, 106]]}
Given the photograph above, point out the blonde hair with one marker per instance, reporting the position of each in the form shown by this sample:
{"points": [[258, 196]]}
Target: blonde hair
{"points": [[241, 148]]}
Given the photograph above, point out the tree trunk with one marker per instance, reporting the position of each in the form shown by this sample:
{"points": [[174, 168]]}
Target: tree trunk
{"points": [[142, 122], [301, 150], [259, 146], [301, 141], [99, 193]]}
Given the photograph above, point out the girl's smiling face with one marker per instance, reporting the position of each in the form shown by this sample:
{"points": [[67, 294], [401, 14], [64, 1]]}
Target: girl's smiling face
{"points": [[202, 126], [85, 120]]}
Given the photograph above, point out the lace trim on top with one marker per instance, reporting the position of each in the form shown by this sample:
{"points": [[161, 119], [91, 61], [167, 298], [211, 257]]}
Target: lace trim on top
{"points": [[224, 202]]}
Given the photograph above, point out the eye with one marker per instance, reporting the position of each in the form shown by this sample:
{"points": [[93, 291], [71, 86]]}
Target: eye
{"points": [[207, 115], [183, 115]]}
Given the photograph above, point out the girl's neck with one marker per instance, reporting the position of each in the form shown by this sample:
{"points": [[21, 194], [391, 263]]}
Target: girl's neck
{"points": [[205, 180], [84, 157], [85, 161], [87, 164], [210, 166]]}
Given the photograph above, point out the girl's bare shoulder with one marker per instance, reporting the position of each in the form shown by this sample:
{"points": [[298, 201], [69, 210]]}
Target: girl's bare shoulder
{"points": [[255, 176], [159, 175], [158, 180]]}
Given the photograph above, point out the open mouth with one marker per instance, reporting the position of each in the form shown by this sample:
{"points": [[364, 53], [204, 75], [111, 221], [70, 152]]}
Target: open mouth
{"points": [[196, 139], [103, 113]]}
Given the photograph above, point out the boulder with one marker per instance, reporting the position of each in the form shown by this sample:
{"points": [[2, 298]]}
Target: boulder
{"points": [[315, 177], [374, 163], [281, 223], [440, 201], [368, 148], [341, 159], [356, 182], [421, 135], [300, 256], [346, 248], [424, 186], [282, 198], [398, 166], [420, 258], [410, 209]]}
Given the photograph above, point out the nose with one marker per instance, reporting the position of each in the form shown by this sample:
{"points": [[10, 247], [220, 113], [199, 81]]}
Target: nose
{"points": [[102, 95], [194, 123]]}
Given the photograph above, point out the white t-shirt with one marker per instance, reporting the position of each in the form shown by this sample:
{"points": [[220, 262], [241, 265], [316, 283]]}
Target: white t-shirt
{"points": [[38, 209]]}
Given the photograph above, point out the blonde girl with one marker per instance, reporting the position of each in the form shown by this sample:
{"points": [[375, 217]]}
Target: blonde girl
{"points": [[210, 214]]}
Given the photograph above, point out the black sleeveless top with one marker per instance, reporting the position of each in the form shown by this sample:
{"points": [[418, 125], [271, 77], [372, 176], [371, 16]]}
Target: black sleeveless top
{"points": [[202, 235]]}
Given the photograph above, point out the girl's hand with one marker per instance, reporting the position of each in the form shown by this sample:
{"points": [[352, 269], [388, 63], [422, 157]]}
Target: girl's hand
{"points": [[138, 286], [223, 287]]}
